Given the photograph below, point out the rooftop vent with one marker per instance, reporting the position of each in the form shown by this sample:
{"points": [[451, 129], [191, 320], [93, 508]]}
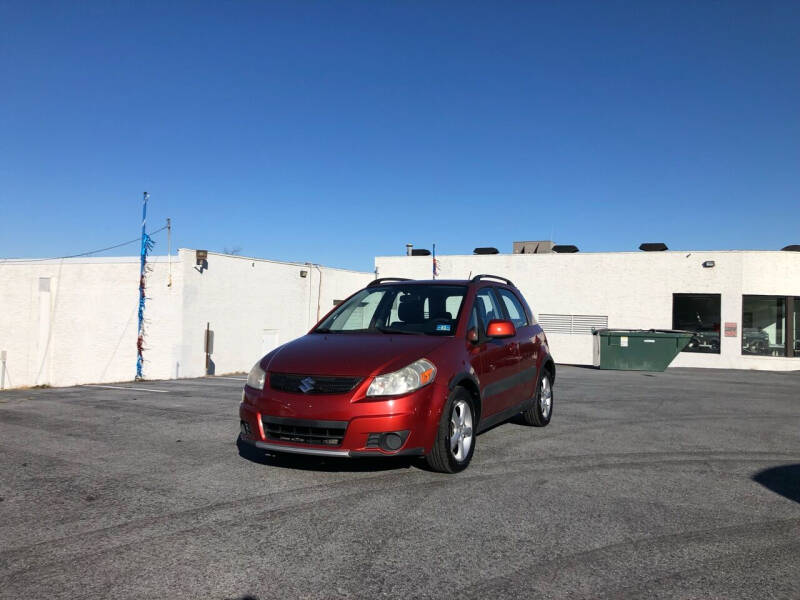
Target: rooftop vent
{"points": [[565, 248], [420, 252], [486, 251], [533, 247], [653, 247], [792, 248]]}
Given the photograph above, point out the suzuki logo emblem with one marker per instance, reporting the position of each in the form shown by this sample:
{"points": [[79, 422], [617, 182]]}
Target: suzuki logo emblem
{"points": [[306, 385]]}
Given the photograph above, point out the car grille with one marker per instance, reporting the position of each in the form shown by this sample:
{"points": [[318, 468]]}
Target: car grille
{"points": [[299, 431], [312, 384]]}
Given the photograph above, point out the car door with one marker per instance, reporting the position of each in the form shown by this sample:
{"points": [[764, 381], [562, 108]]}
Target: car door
{"points": [[496, 358], [526, 344]]}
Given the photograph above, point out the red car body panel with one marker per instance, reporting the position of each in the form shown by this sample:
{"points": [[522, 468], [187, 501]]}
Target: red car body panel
{"points": [[501, 372]]}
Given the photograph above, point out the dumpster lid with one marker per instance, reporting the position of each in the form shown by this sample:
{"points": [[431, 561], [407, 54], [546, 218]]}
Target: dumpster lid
{"points": [[644, 332]]}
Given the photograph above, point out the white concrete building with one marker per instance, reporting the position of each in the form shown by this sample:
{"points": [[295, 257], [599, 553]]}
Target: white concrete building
{"points": [[745, 301], [73, 321]]}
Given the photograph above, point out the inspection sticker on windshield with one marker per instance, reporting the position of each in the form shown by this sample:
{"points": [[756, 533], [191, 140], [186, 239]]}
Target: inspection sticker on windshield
{"points": [[442, 327]]}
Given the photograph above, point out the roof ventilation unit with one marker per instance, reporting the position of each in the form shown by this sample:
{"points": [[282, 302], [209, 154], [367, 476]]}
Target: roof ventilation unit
{"points": [[565, 249], [420, 252], [653, 247], [533, 247], [792, 248], [486, 251]]}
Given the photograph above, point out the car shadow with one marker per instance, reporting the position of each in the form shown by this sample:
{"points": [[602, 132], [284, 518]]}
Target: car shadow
{"points": [[783, 480], [305, 462]]}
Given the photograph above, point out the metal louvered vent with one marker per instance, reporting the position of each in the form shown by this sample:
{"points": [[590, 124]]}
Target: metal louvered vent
{"points": [[572, 324], [556, 323]]}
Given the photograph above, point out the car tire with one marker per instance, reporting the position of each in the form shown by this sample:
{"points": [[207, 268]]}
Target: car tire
{"points": [[449, 454], [540, 413]]}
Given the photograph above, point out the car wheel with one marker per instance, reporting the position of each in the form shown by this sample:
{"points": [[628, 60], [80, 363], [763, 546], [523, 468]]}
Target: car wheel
{"points": [[539, 414], [455, 438]]}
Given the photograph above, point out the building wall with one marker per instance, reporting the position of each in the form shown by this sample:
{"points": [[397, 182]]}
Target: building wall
{"points": [[79, 323], [84, 329], [633, 289], [253, 305]]}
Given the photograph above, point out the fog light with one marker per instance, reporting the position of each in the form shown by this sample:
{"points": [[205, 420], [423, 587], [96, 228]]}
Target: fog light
{"points": [[392, 441], [388, 440]]}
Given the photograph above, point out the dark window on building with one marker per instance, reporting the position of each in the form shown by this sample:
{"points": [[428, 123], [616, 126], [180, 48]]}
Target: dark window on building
{"points": [[770, 326], [700, 314]]}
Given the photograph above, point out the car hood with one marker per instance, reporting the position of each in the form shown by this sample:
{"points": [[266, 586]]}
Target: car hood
{"points": [[361, 354]]}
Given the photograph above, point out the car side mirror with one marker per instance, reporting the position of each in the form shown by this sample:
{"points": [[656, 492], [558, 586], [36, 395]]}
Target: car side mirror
{"points": [[500, 328], [472, 336]]}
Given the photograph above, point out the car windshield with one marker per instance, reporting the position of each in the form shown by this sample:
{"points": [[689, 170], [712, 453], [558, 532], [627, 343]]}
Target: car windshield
{"points": [[416, 309]]}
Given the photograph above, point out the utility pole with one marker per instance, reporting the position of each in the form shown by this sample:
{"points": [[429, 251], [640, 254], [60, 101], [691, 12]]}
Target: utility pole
{"points": [[169, 251], [146, 245]]}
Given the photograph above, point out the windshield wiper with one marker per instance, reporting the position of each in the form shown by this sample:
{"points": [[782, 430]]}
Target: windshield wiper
{"points": [[400, 331]]}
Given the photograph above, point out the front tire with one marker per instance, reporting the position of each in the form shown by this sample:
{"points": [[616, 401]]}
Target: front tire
{"points": [[455, 438], [539, 414]]}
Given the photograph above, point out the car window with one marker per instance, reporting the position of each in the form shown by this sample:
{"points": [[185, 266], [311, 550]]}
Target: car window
{"points": [[487, 307], [358, 314], [514, 308], [473, 318]]}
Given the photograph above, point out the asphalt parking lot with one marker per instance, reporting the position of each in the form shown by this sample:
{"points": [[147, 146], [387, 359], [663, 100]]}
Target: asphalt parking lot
{"points": [[683, 484]]}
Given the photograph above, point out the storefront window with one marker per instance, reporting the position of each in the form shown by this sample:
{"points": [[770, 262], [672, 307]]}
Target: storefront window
{"points": [[764, 325], [796, 321], [700, 314]]}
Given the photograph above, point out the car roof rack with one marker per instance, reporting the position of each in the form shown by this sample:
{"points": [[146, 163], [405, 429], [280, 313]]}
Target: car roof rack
{"points": [[375, 282], [487, 276]]}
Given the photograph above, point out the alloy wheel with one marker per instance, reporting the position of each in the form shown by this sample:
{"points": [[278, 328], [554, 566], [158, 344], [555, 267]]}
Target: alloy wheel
{"points": [[461, 431], [545, 397]]}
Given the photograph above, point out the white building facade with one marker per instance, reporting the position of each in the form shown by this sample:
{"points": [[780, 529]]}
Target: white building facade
{"points": [[73, 321], [746, 302]]}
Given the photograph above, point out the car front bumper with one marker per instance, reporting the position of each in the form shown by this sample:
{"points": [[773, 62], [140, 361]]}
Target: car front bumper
{"points": [[414, 417], [314, 451]]}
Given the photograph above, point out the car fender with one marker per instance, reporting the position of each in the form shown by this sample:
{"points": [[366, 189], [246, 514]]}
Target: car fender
{"points": [[473, 384]]}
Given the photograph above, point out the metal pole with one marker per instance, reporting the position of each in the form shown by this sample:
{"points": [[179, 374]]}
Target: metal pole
{"points": [[142, 256], [169, 251]]}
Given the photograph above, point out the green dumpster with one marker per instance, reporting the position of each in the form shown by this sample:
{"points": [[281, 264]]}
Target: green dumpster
{"points": [[638, 349]]}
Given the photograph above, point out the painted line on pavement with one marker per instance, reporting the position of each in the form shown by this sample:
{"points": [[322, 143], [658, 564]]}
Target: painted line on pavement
{"points": [[136, 389]]}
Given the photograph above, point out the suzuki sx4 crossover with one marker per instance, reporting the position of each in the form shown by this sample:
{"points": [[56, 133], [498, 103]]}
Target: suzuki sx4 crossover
{"points": [[404, 368]]}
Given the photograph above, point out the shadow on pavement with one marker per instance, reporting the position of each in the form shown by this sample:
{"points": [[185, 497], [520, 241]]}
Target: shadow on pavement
{"points": [[783, 480], [315, 463]]}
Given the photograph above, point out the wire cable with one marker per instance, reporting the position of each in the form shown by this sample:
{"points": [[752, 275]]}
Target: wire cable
{"points": [[17, 261]]}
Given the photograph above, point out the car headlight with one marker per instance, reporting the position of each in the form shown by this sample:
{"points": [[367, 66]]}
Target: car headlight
{"points": [[410, 378], [256, 377]]}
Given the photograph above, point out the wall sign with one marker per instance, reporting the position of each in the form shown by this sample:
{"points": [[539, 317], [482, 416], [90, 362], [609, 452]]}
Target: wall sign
{"points": [[730, 329]]}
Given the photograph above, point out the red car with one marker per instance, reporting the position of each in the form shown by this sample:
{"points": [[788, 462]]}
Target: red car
{"points": [[404, 368]]}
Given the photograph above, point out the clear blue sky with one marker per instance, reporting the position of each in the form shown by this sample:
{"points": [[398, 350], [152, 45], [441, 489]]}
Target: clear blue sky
{"points": [[336, 131]]}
